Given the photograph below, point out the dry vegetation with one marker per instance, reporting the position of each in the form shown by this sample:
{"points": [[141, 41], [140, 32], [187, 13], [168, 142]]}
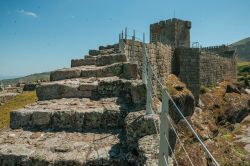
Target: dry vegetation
{"points": [[18, 102]]}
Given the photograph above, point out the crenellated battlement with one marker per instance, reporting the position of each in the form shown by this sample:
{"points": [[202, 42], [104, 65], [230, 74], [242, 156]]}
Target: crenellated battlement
{"points": [[219, 48]]}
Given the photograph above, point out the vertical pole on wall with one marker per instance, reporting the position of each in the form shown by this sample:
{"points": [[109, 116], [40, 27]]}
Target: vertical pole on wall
{"points": [[120, 49], [133, 48], [164, 130], [126, 33], [149, 90], [144, 61], [143, 37]]}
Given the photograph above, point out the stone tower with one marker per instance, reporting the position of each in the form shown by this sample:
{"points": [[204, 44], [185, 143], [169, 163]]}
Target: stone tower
{"points": [[174, 32]]}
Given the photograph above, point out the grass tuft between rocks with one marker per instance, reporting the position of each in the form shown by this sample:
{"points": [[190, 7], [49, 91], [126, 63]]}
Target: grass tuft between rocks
{"points": [[17, 102]]}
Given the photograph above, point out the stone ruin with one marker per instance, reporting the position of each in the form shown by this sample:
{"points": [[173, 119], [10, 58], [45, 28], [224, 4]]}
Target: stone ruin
{"points": [[94, 112], [194, 65], [90, 114]]}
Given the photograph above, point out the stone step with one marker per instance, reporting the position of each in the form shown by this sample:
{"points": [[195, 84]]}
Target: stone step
{"points": [[132, 91], [100, 60], [105, 50], [25, 148], [123, 70], [72, 114]]}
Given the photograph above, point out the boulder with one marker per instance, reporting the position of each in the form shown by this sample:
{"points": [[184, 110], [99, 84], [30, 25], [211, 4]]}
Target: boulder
{"points": [[30, 87], [232, 88], [237, 107], [183, 98], [138, 125], [94, 52]]}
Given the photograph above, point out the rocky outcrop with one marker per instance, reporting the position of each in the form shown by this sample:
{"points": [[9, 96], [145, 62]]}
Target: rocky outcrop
{"points": [[218, 123], [237, 107], [183, 98]]}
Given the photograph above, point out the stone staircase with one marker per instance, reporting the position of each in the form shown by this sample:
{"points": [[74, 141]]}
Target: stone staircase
{"points": [[81, 117]]}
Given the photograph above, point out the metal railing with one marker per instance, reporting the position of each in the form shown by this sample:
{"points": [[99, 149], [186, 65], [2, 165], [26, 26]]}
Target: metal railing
{"points": [[166, 122]]}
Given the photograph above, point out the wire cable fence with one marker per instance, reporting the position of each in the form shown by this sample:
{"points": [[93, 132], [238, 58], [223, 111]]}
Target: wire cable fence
{"points": [[169, 112]]}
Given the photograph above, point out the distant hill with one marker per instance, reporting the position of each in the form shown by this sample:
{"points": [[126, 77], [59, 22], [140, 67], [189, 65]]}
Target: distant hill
{"points": [[26, 79], [243, 49]]}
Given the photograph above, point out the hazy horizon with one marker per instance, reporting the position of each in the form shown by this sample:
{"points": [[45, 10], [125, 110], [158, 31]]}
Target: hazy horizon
{"points": [[39, 36]]}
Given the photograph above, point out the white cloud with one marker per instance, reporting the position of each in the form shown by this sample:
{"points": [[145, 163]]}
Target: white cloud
{"points": [[28, 13]]}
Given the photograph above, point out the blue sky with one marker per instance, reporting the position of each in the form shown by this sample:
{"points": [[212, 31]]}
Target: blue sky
{"points": [[43, 35]]}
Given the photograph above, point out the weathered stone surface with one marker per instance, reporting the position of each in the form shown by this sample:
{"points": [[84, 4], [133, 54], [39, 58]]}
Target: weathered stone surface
{"points": [[83, 62], [100, 60], [238, 107], [148, 149], [6, 96], [133, 90], [138, 125], [109, 59], [66, 73], [183, 98], [94, 52], [70, 114], [244, 136], [30, 87], [122, 70], [18, 147]]}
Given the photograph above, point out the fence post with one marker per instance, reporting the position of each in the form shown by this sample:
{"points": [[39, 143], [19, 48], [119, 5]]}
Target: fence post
{"points": [[121, 43], [144, 61], [149, 90], [164, 130]]}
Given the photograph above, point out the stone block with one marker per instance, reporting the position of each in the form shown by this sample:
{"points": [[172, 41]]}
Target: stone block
{"points": [[20, 118], [138, 125]]}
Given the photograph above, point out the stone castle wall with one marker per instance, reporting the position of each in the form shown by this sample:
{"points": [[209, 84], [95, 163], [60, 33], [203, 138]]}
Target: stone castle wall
{"points": [[160, 57], [215, 67], [174, 32], [193, 66], [221, 48], [187, 68]]}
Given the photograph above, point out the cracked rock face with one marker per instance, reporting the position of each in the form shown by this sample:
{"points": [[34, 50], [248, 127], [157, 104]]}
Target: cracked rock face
{"points": [[70, 114], [134, 91], [122, 70], [138, 125], [60, 148]]}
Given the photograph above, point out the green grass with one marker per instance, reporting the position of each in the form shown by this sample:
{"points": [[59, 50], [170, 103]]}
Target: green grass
{"points": [[17, 102], [243, 70]]}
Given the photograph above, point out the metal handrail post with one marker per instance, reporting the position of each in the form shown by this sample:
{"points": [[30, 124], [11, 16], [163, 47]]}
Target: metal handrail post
{"points": [[149, 90], [164, 130]]}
